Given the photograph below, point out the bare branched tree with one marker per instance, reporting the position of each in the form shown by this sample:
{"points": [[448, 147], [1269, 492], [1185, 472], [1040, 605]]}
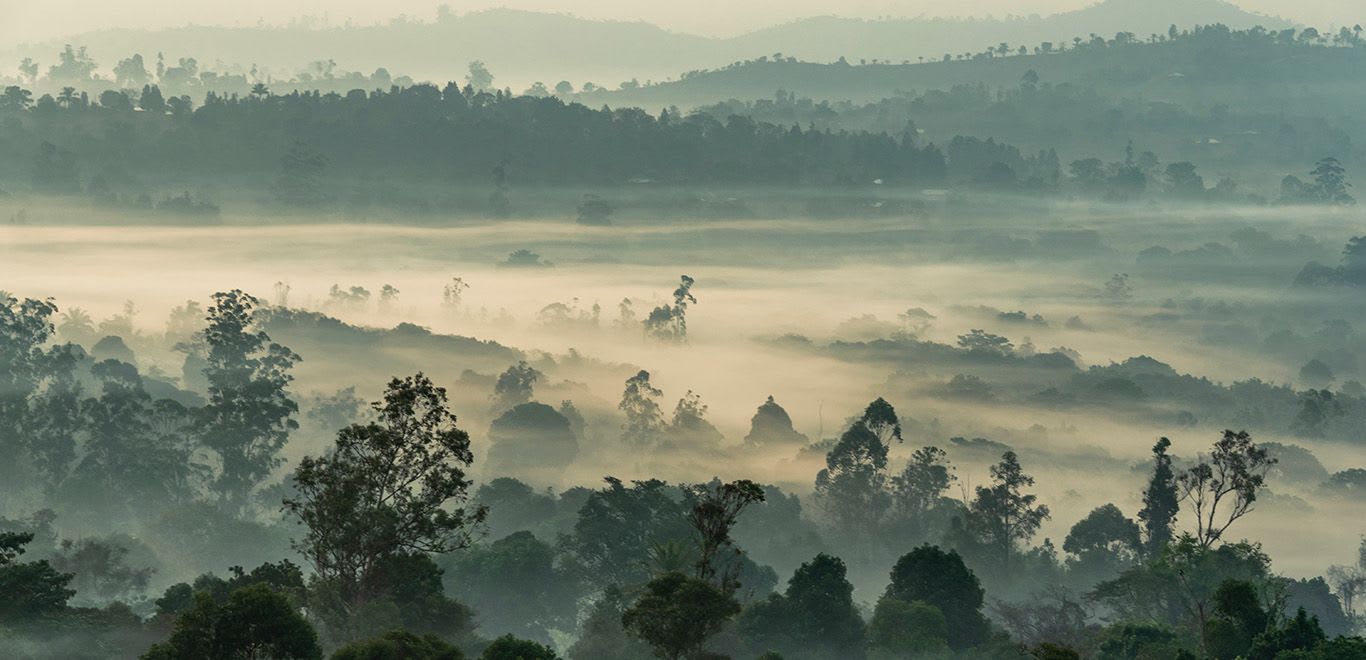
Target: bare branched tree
{"points": [[1222, 487]]}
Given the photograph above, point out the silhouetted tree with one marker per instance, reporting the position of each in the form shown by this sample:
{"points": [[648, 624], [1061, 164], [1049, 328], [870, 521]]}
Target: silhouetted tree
{"points": [[677, 614], [714, 510], [1002, 514], [1161, 502], [941, 580], [392, 486], [1222, 487], [852, 486], [644, 419], [255, 622], [249, 414]]}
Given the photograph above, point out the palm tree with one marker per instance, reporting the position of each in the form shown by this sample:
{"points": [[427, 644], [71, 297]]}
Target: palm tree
{"points": [[67, 98], [76, 325]]}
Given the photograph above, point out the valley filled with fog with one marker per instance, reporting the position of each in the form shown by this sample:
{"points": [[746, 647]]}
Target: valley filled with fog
{"points": [[890, 339]]}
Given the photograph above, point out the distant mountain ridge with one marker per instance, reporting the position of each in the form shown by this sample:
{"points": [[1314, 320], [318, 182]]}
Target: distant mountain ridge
{"points": [[828, 38], [521, 47]]}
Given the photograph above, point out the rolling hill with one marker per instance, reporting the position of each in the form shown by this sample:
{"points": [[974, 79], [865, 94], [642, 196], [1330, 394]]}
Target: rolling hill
{"points": [[521, 47]]}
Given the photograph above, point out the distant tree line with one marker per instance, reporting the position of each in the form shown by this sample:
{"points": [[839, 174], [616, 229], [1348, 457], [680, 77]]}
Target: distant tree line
{"points": [[309, 149]]}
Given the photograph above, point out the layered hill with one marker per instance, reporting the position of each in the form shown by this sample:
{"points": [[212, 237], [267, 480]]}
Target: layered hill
{"points": [[521, 47]]}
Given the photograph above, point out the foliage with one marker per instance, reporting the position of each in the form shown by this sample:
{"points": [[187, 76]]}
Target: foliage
{"points": [[1002, 515], [514, 386], [917, 492], [772, 425], [249, 414], [508, 647], [676, 614], [941, 580], [1161, 502], [852, 486], [1103, 542], [815, 616], [602, 636], [386, 489], [901, 629], [644, 419], [256, 621], [713, 512], [28, 590], [1231, 476], [517, 584], [617, 526], [669, 322], [399, 645]]}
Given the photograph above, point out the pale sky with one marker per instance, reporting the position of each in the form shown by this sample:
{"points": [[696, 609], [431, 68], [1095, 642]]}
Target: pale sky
{"points": [[32, 20]]}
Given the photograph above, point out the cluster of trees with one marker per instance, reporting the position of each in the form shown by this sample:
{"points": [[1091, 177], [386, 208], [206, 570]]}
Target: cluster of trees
{"points": [[313, 150], [1329, 186], [987, 368], [75, 69]]}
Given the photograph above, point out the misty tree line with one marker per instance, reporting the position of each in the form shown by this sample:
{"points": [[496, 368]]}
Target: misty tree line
{"points": [[388, 525], [311, 150]]}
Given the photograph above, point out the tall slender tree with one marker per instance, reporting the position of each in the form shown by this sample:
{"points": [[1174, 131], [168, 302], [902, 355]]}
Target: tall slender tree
{"points": [[249, 414], [1160, 502]]}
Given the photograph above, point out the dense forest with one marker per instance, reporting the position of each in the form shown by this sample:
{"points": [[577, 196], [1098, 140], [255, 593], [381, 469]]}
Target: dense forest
{"points": [[341, 147], [1047, 347], [382, 547]]}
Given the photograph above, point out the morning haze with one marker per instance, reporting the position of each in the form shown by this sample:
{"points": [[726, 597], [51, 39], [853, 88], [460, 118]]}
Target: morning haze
{"points": [[751, 331]]}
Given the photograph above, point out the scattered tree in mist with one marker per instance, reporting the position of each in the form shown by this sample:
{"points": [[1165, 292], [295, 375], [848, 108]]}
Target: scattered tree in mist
{"points": [[1222, 487], [249, 414], [618, 525], [1103, 543], [531, 440], [985, 342], [524, 258], [917, 492], [772, 425], [500, 205], [900, 629], [515, 386], [669, 322], [518, 584], [452, 295], [56, 170], [1161, 502], [595, 211], [644, 419], [880, 418], [714, 511], [1118, 288], [392, 489], [479, 77], [397, 644], [337, 410], [1329, 186], [602, 636], [851, 487], [1002, 515]]}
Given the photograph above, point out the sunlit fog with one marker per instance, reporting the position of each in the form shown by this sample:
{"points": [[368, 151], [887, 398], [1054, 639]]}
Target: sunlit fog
{"points": [[689, 331]]}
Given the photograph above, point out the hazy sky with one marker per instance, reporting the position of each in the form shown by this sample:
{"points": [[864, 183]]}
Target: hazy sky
{"points": [[29, 20]]}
